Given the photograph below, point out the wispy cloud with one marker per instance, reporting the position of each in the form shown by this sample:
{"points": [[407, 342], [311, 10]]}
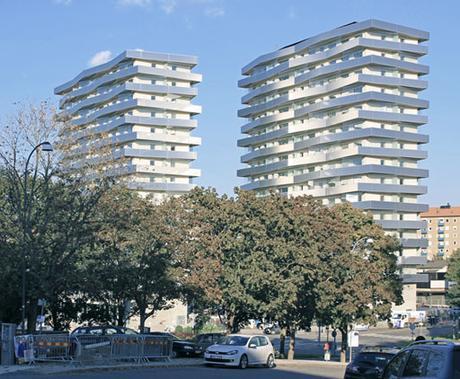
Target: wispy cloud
{"points": [[167, 6], [292, 12], [62, 2], [134, 3], [216, 11], [209, 8], [100, 58]]}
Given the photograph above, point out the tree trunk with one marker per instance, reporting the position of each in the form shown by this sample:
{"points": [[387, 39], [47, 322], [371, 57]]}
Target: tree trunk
{"points": [[230, 323], [282, 342], [343, 348], [120, 315], [291, 351], [142, 318], [55, 319], [32, 315]]}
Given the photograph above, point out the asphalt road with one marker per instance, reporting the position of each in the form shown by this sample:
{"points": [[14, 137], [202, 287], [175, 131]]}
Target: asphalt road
{"points": [[295, 372]]}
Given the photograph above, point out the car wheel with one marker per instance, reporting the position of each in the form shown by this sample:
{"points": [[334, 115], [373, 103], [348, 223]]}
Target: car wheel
{"points": [[270, 361], [243, 361], [174, 354]]}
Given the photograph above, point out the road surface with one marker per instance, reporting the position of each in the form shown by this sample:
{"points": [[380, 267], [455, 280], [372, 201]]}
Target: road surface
{"points": [[293, 372]]}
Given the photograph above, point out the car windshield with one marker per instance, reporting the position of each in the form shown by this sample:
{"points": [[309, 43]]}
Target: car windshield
{"points": [[373, 359], [234, 340], [129, 331]]}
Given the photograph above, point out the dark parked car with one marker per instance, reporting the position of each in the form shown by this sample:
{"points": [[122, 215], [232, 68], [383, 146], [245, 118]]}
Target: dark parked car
{"points": [[434, 359], [103, 330], [207, 339], [181, 348], [369, 363]]}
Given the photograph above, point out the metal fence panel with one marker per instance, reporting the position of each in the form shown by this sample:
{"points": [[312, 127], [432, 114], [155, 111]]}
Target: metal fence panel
{"points": [[52, 347], [127, 347], [156, 347], [90, 349], [93, 348]]}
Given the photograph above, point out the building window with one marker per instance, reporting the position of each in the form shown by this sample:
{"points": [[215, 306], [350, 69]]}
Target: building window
{"points": [[173, 148], [173, 84], [152, 130]]}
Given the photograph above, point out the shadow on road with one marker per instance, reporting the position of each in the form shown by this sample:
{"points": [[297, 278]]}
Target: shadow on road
{"points": [[194, 373]]}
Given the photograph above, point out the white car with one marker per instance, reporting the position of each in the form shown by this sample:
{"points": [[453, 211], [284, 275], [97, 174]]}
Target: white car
{"points": [[242, 351]]}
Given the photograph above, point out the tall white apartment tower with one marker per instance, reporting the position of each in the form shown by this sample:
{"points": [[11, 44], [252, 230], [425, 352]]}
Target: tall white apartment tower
{"points": [[336, 116], [138, 109]]}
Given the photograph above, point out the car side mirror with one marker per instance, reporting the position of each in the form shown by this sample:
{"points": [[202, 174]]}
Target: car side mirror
{"points": [[252, 346]]}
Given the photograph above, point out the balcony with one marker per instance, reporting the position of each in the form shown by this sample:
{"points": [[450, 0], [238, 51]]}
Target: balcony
{"points": [[415, 278], [440, 231], [440, 222], [440, 238], [438, 284]]}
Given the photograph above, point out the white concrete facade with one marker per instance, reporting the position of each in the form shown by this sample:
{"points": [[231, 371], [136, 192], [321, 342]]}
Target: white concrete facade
{"points": [[336, 116], [139, 107]]}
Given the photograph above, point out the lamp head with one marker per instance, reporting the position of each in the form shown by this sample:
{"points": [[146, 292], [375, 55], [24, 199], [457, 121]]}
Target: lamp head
{"points": [[46, 146]]}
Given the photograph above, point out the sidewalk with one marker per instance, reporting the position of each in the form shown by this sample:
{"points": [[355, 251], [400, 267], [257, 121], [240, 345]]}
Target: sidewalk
{"points": [[13, 368]]}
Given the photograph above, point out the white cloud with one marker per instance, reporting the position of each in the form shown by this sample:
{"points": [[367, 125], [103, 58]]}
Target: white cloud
{"points": [[210, 8], [62, 2], [168, 6], [135, 3], [100, 58], [214, 11]]}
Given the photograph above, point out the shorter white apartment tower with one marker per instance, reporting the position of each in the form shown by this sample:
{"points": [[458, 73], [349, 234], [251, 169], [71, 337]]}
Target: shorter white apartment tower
{"points": [[133, 117], [336, 116]]}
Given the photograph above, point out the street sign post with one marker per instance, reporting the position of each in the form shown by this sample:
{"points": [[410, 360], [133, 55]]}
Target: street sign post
{"points": [[353, 341]]}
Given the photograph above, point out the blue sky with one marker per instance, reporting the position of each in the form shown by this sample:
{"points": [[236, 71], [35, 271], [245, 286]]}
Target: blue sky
{"points": [[44, 43]]}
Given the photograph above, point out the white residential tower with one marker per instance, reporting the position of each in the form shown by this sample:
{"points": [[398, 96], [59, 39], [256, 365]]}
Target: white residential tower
{"points": [[133, 117], [337, 116]]}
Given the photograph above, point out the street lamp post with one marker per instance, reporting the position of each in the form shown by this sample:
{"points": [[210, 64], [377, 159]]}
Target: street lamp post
{"points": [[45, 146], [365, 241]]}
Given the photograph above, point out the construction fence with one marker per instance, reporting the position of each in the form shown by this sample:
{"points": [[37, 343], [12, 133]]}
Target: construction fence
{"points": [[89, 349]]}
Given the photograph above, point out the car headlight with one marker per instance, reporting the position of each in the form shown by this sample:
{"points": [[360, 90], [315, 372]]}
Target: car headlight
{"points": [[188, 348], [233, 352]]}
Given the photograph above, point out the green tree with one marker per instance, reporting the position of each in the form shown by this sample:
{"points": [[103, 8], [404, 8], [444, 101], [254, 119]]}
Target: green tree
{"points": [[47, 215], [128, 272], [357, 283], [453, 274]]}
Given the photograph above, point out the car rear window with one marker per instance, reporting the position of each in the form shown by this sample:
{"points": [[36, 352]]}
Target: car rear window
{"points": [[378, 359]]}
